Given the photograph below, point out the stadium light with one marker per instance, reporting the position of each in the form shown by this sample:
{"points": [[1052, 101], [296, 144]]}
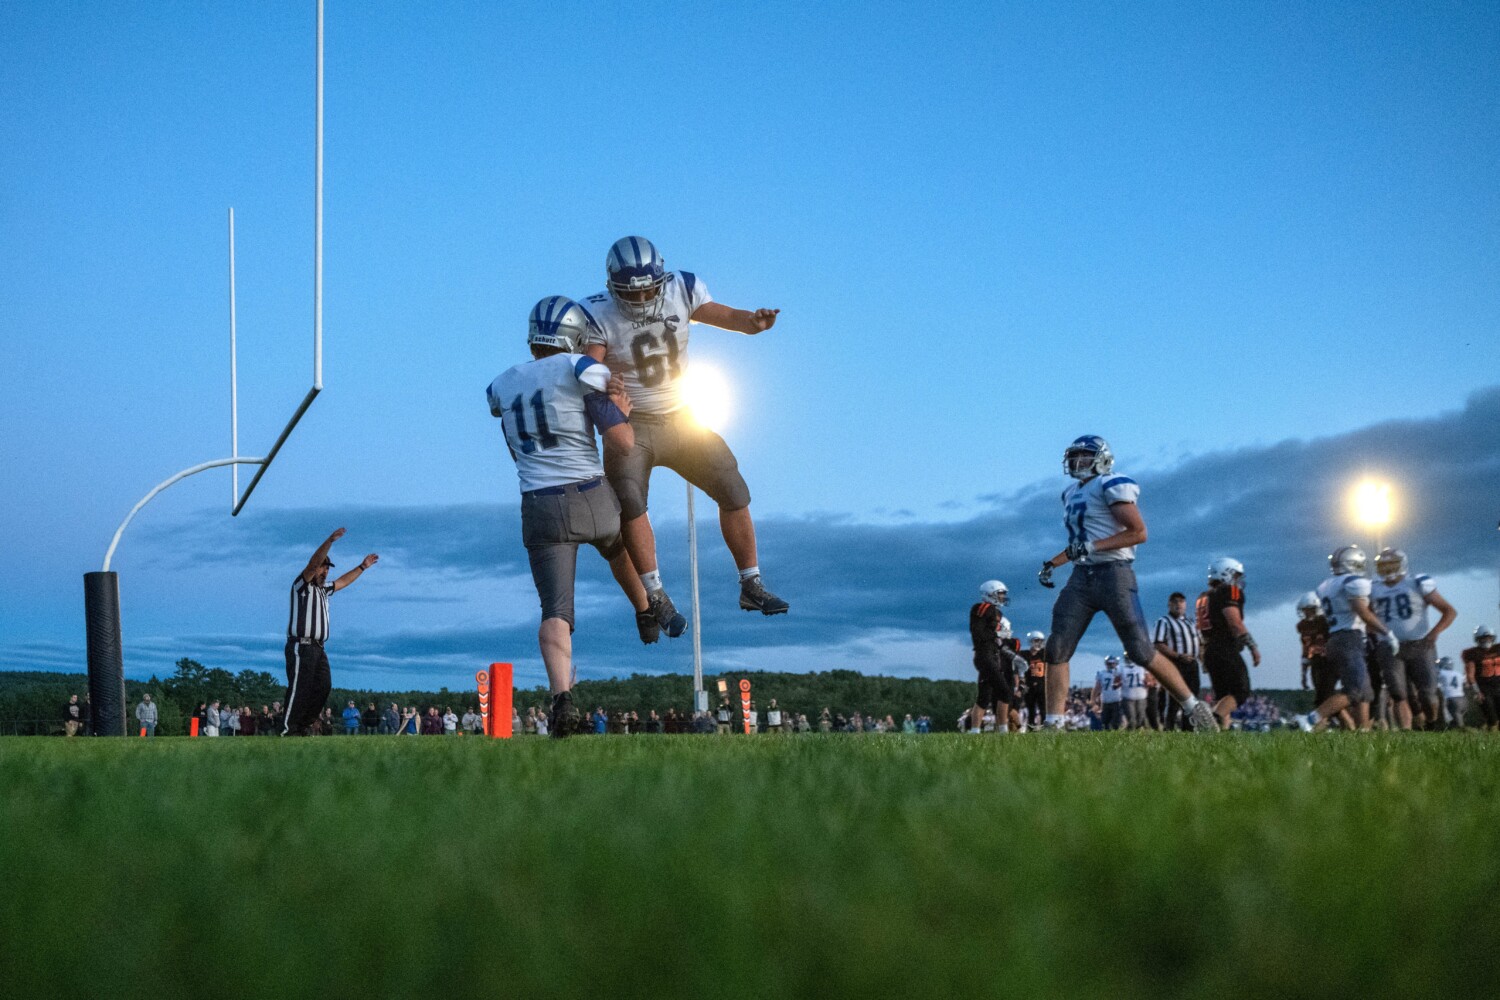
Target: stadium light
{"points": [[706, 395], [1370, 501]]}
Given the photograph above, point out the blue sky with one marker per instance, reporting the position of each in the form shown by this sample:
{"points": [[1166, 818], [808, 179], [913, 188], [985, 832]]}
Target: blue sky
{"points": [[1222, 236]]}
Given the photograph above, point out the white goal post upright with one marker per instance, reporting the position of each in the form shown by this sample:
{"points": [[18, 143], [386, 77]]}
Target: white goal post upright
{"points": [[101, 589]]}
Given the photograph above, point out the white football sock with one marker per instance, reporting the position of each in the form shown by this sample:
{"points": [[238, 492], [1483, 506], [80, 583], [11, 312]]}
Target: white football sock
{"points": [[651, 581], [749, 571]]}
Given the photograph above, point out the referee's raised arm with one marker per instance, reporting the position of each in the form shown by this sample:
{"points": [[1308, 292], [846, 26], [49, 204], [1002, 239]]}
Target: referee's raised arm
{"points": [[315, 564], [356, 572]]}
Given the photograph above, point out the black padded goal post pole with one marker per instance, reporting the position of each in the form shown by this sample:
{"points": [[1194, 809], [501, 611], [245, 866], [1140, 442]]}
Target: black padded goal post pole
{"points": [[101, 608]]}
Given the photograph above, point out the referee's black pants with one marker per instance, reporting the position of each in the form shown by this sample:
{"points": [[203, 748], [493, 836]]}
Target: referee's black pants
{"points": [[308, 685], [1176, 717]]}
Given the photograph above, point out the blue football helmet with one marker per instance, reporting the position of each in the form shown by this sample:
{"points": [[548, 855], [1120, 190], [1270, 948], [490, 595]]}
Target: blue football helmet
{"points": [[1087, 457], [558, 321], [635, 274]]}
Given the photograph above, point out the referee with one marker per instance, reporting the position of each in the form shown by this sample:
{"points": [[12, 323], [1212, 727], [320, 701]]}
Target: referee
{"points": [[307, 681], [1176, 638]]}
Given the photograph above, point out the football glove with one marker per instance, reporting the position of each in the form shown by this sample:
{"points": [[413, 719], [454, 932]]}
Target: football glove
{"points": [[1388, 640], [1080, 549], [1045, 576]]}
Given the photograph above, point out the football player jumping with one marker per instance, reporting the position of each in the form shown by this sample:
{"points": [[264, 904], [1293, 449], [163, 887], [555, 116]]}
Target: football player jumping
{"points": [[1401, 602], [550, 408], [643, 320], [1104, 527], [1345, 597]]}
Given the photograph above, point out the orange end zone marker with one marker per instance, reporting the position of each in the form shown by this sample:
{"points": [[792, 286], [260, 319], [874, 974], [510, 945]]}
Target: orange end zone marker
{"points": [[482, 679], [502, 700], [193, 727]]}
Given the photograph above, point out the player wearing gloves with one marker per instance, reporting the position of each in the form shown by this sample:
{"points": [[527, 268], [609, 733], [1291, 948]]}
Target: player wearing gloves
{"points": [[1104, 526], [1401, 600], [549, 408], [1221, 622], [1345, 597]]}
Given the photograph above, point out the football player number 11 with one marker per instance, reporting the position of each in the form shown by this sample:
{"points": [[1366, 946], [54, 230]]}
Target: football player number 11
{"points": [[544, 438]]}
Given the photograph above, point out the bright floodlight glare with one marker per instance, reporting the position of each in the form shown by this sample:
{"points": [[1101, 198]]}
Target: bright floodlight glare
{"points": [[706, 395], [1371, 502]]}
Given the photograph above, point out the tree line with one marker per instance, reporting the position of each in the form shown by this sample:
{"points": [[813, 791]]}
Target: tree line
{"points": [[27, 695]]}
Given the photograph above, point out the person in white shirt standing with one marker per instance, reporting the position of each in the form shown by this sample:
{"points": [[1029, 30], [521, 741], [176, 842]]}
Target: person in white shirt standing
{"points": [[1133, 693], [644, 317], [1451, 684], [1104, 526], [1401, 599], [1345, 597], [549, 408], [1108, 693]]}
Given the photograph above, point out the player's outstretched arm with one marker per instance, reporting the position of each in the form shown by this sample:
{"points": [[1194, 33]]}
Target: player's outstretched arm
{"points": [[355, 573], [739, 320], [316, 562]]}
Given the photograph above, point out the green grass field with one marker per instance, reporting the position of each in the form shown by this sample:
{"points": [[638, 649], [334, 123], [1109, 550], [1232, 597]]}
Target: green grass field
{"points": [[1051, 865]]}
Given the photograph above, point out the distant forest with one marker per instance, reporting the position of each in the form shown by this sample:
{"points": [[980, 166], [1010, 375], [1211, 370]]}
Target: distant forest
{"points": [[26, 696]]}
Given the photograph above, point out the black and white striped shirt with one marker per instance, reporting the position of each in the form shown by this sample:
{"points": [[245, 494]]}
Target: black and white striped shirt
{"points": [[1180, 635], [309, 615]]}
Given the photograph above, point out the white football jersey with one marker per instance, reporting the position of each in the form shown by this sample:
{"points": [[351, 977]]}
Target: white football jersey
{"points": [[1110, 686], [651, 355], [547, 426], [1403, 605], [1087, 517], [1334, 593], [1452, 682], [1133, 682]]}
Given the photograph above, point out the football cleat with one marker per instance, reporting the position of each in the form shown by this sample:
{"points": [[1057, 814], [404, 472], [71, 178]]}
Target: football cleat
{"points": [[563, 718], [647, 625], [1203, 719], [1303, 723], [755, 597], [666, 614]]}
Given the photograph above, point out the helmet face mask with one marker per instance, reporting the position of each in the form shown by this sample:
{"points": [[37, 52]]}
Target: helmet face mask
{"points": [[635, 275], [1484, 637], [1308, 606], [1111, 662], [1390, 565], [995, 592], [1088, 456], [1036, 639]]}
